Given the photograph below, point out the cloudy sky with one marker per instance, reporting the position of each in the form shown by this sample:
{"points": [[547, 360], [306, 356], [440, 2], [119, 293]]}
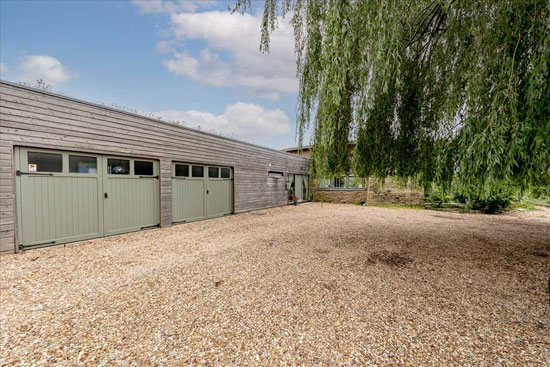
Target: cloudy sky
{"points": [[188, 61]]}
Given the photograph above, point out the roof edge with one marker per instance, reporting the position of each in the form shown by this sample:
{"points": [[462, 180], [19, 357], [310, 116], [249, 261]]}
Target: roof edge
{"points": [[72, 99]]}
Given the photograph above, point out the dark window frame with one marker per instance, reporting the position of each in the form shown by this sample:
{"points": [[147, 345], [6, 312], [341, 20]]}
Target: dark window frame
{"points": [[144, 174], [193, 173], [228, 172], [182, 165], [217, 172]]}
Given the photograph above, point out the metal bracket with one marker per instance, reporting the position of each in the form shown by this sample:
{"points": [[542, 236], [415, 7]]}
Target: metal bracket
{"points": [[153, 226], [19, 173], [38, 245]]}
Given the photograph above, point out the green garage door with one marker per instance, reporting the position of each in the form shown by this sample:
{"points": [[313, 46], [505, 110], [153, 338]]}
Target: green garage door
{"points": [[219, 192], [58, 197], [200, 192], [131, 194], [65, 197]]}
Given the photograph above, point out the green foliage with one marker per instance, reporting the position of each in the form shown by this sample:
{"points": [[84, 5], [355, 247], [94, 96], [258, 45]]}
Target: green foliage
{"points": [[399, 206], [445, 91], [496, 201], [525, 205], [437, 196]]}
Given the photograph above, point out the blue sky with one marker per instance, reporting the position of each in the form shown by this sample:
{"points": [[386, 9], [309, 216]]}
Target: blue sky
{"points": [[187, 61]]}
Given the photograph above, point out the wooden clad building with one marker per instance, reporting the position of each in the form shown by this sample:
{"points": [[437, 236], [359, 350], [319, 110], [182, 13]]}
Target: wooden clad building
{"points": [[73, 170]]}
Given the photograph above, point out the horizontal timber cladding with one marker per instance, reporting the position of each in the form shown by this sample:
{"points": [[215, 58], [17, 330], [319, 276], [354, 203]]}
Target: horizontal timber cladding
{"points": [[38, 119]]}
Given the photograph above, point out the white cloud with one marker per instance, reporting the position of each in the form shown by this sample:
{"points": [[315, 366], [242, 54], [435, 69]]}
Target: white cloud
{"points": [[238, 36], [165, 46], [44, 67], [245, 121], [231, 57], [3, 69], [150, 6], [183, 64]]}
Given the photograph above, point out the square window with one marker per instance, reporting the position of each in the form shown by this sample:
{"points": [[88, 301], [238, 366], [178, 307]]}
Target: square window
{"points": [[213, 172], [182, 170], [226, 173], [45, 162], [143, 168], [82, 164], [118, 166], [197, 171]]}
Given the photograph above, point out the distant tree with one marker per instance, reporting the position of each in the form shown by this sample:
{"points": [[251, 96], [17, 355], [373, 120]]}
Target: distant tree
{"points": [[431, 90]]}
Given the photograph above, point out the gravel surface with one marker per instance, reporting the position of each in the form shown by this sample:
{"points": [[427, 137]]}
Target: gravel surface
{"points": [[310, 285]]}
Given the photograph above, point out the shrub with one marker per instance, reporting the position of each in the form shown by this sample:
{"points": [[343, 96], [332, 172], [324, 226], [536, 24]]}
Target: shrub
{"points": [[496, 200], [436, 195]]}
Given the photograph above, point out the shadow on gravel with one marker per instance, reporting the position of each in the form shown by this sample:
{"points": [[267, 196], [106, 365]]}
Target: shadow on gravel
{"points": [[389, 258]]}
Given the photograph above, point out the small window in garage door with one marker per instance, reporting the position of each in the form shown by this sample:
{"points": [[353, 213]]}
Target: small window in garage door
{"points": [[44, 162], [225, 172], [82, 164], [197, 171], [143, 168], [213, 172], [117, 166], [182, 170]]}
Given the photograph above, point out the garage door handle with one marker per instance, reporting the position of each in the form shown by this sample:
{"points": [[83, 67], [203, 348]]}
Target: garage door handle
{"points": [[105, 195]]}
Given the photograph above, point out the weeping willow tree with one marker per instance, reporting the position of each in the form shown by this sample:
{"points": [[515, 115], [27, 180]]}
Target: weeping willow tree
{"points": [[430, 90]]}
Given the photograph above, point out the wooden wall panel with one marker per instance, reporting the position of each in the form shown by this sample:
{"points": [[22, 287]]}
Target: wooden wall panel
{"points": [[33, 118]]}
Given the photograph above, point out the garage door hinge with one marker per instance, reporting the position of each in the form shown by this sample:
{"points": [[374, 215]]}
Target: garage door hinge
{"points": [[36, 245], [19, 173], [153, 226]]}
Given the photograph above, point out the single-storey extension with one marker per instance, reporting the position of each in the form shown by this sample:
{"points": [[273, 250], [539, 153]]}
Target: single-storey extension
{"points": [[73, 170]]}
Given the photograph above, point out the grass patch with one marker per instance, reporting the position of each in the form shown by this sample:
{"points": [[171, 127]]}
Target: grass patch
{"points": [[399, 206], [525, 205]]}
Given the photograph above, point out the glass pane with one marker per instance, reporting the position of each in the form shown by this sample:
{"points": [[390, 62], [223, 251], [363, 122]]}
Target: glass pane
{"points": [[82, 164], [213, 172], [338, 182], [118, 166], [226, 173], [143, 168], [182, 170], [44, 162], [275, 174], [197, 171]]}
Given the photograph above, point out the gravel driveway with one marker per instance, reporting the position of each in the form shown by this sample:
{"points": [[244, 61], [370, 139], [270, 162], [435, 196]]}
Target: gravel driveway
{"points": [[309, 285]]}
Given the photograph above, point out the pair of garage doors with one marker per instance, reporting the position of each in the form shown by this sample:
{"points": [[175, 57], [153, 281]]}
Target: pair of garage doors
{"points": [[201, 192], [64, 197]]}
